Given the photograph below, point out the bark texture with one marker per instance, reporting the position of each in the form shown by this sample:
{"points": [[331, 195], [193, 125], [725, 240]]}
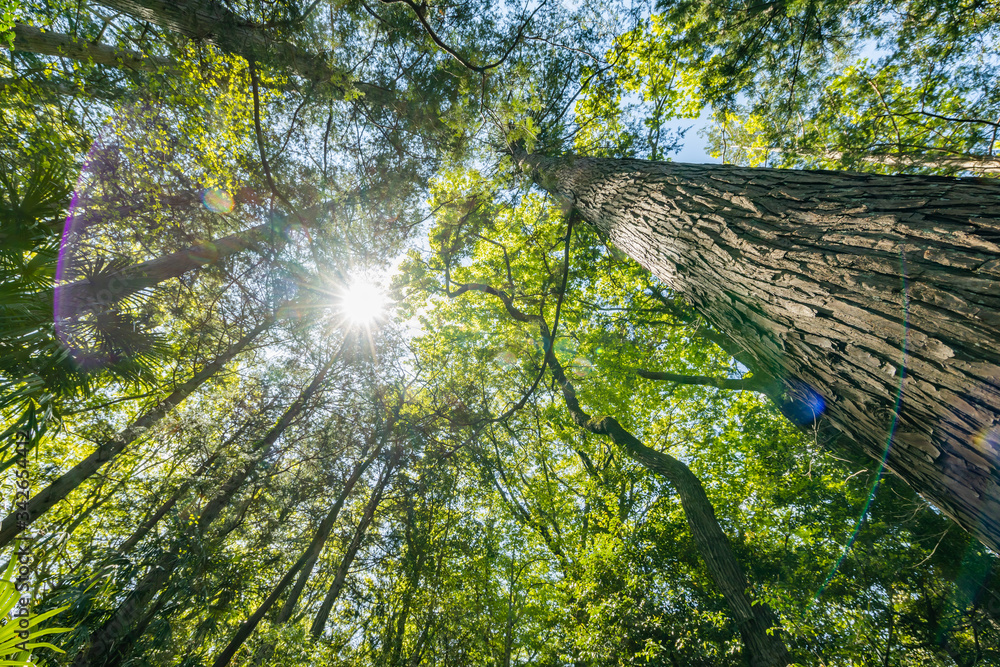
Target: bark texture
{"points": [[874, 299]]}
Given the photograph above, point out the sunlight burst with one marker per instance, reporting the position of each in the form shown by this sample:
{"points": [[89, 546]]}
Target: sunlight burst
{"points": [[363, 302]]}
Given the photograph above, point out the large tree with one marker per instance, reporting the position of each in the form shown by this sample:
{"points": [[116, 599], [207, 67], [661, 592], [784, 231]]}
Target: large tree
{"points": [[873, 300], [583, 471]]}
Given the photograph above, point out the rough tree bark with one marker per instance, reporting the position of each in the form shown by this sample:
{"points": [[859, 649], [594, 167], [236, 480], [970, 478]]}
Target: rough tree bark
{"points": [[874, 299]]}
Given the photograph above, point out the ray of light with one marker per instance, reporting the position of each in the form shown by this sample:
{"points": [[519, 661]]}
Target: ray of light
{"points": [[888, 443]]}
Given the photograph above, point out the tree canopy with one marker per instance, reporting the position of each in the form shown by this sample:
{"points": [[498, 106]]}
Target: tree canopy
{"points": [[307, 357]]}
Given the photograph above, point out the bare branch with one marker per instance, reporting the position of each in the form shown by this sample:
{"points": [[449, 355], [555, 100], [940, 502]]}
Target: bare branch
{"points": [[753, 383]]}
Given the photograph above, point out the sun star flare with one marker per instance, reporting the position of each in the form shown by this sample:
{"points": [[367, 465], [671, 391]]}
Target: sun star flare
{"points": [[363, 302]]}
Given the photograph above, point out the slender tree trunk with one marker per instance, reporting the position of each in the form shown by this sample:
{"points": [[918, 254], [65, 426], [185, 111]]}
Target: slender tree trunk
{"points": [[418, 650], [215, 506], [33, 40], [30, 39], [141, 625], [18, 521], [317, 547], [208, 20], [64, 87], [248, 626], [302, 567], [874, 299], [115, 637], [86, 296], [319, 623], [153, 519], [169, 504], [754, 619]]}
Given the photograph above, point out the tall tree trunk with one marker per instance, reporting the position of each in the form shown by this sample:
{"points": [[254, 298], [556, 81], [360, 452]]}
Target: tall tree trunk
{"points": [[874, 299], [302, 567], [115, 638], [208, 20], [263, 447], [317, 546], [319, 623], [19, 520], [169, 504], [31, 39], [86, 295]]}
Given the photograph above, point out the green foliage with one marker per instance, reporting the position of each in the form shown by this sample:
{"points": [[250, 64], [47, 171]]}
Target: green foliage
{"points": [[508, 535], [20, 634], [8, 8], [617, 539]]}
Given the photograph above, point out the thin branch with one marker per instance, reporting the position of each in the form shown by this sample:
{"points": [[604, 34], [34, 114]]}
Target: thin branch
{"points": [[951, 119], [421, 12], [753, 383], [521, 316], [255, 83]]}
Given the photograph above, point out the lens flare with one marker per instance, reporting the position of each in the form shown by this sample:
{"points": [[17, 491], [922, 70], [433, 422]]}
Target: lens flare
{"points": [[581, 367], [507, 359], [806, 405], [217, 201]]}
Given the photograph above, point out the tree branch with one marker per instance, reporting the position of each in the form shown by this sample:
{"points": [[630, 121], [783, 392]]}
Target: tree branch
{"points": [[753, 619], [753, 383], [421, 12]]}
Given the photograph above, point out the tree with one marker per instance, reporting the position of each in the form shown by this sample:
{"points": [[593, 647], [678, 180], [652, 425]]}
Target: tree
{"points": [[585, 469], [613, 321], [875, 311], [17, 522], [303, 567], [880, 87], [755, 620]]}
